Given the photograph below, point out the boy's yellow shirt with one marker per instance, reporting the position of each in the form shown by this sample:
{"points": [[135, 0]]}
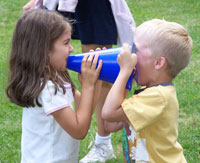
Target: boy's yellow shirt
{"points": [[153, 116]]}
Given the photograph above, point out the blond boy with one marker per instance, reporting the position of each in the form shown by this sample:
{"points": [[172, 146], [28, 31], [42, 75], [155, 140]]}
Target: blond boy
{"points": [[150, 116]]}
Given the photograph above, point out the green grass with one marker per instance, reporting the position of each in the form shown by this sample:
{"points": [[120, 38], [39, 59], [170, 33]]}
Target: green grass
{"points": [[185, 12]]}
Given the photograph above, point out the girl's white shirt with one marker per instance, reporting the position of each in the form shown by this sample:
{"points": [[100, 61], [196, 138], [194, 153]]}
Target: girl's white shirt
{"points": [[43, 139], [123, 18]]}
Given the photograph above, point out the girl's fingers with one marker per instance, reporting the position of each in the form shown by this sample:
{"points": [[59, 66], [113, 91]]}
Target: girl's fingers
{"points": [[95, 60], [97, 49], [90, 60], [99, 66], [84, 60], [79, 77]]}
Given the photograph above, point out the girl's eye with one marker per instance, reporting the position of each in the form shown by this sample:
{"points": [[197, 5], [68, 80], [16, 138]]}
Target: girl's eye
{"points": [[67, 42]]}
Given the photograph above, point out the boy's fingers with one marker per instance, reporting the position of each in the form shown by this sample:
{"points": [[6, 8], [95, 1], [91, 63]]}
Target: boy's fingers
{"points": [[118, 57], [134, 58], [134, 55], [126, 46]]}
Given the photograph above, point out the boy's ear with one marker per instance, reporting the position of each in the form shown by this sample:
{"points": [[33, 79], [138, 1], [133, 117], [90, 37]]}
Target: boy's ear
{"points": [[160, 63]]}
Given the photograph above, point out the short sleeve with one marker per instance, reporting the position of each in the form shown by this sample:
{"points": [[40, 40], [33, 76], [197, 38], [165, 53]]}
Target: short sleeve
{"points": [[144, 108], [52, 102]]}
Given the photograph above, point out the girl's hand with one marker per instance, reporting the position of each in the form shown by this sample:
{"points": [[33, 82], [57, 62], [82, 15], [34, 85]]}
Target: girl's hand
{"points": [[126, 60], [89, 72]]}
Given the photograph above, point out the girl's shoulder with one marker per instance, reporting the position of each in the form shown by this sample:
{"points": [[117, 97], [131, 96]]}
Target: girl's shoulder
{"points": [[50, 89], [50, 86], [49, 83]]}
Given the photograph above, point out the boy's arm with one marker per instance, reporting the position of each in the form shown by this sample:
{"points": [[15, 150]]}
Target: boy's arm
{"points": [[112, 110], [113, 126]]}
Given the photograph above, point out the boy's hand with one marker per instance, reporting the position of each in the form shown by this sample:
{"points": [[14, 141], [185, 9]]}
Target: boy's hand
{"points": [[89, 72], [126, 60]]}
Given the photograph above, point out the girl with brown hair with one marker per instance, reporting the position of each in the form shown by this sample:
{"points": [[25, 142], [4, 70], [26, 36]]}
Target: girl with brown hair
{"points": [[55, 114]]}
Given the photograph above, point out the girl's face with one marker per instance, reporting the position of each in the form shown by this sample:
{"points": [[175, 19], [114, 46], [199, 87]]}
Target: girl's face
{"points": [[60, 52], [145, 65]]}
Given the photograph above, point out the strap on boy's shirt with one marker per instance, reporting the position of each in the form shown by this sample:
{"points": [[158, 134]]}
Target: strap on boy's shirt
{"points": [[164, 84], [142, 89], [126, 131]]}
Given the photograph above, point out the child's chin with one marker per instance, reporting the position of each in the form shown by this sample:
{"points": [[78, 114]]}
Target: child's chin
{"points": [[137, 83], [63, 69]]}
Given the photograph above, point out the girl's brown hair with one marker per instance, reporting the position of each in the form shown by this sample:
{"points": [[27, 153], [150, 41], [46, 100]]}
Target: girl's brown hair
{"points": [[33, 39]]}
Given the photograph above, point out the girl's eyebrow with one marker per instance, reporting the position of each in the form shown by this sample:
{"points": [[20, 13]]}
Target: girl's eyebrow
{"points": [[67, 40]]}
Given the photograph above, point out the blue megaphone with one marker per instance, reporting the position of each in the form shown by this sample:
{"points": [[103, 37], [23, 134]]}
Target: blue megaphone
{"points": [[110, 68]]}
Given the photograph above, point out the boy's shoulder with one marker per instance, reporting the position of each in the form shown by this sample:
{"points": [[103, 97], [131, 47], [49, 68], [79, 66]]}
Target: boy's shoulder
{"points": [[162, 91], [163, 86]]}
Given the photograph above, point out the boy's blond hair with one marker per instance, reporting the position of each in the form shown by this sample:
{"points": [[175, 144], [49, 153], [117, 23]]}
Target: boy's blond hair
{"points": [[170, 40]]}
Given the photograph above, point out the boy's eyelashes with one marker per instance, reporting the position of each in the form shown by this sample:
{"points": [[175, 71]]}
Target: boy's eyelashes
{"points": [[134, 48]]}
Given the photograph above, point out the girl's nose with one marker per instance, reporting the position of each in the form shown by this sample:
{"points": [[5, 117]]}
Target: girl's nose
{"points": [[71, 49]]}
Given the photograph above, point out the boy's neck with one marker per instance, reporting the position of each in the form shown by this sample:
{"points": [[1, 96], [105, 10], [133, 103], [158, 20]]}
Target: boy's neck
{"points": [[160, 80]]}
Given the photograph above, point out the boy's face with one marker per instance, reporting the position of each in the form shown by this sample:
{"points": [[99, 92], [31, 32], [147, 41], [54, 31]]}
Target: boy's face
{"points": [[60, 52], [145, 64]]}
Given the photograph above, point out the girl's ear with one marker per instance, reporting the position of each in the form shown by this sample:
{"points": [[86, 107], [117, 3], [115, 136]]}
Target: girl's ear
{"points": [[160, 63]]}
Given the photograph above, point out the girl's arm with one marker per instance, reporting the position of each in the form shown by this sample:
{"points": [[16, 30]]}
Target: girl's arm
{"points": [[98, 85], [97, 92], [77, 123], [112, 110]]}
